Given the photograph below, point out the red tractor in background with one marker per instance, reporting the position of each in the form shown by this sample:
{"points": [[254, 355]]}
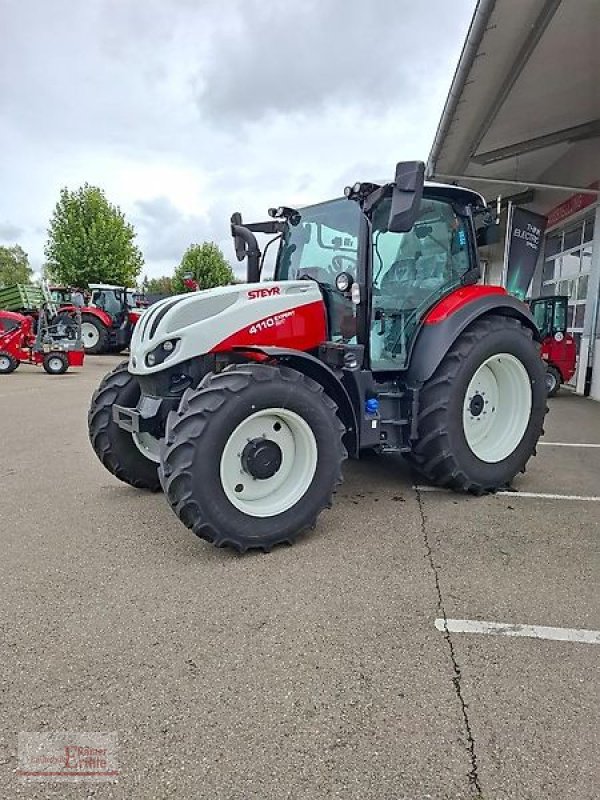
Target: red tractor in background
{"points": [[29, 339], [559, 350], [107, 318]]}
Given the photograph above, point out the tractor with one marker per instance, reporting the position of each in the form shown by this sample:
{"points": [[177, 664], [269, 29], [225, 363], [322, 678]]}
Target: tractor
{"points": [[108, 319], [29, 339], [559, 350], [242, 402]]}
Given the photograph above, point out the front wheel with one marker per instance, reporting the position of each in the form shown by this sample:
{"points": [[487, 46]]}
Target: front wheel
{"points": [[252, 456], [481, 413], [8, 363], [553, 381], [55, 363], [133, 461]]}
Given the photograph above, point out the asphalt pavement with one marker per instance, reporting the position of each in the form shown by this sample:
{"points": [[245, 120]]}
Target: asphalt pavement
{"points": [[316, 671]]}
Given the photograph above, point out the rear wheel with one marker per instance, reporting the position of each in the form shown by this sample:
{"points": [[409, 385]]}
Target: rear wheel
{"points": [[553, 381], [481, 413], [8, 363], [55, 363], [252, 456], [94, 335], [125, 458]]}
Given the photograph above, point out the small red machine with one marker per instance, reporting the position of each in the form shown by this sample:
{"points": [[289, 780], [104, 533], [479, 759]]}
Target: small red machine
{"points": [[559, 350], [52, 346]]}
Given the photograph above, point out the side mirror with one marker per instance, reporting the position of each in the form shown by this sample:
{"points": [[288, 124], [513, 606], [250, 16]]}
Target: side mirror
{"points": [[238, 243], [406, 196]]}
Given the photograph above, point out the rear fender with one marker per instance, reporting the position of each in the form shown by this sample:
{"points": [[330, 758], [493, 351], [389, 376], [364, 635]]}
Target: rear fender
{"points": [[321, 373], [436, 337], [89, 311]]}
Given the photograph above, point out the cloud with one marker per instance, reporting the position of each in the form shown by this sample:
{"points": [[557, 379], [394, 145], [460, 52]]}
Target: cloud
{"points": [[9, 233], [186, 111], [322, 57]]}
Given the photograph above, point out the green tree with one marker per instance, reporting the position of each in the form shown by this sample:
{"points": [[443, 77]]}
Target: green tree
{"points": [[89, 241], [206, 263], [162, 285], [14, 266]]}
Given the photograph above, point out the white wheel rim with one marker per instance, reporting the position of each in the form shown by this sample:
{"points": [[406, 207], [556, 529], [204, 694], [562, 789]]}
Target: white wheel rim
{"points": [[4, 362], [270, 496], [497, 407], [550, 381], [89, 334], [148, 445], [55, 364]]}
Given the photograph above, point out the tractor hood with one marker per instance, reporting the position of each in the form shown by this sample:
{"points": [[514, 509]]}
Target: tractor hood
{"points": [[278, 313]]}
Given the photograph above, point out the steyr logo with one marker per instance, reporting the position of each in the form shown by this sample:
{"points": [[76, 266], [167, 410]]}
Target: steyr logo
{"points": [[253, 294]]}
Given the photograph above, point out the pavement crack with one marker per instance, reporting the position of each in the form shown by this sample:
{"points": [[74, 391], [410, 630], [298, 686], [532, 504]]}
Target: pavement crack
{"points": [[473, 774]]}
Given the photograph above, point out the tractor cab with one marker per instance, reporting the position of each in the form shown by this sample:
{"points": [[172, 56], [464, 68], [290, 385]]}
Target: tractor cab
{"points": [[558, 350], [379, 273]]}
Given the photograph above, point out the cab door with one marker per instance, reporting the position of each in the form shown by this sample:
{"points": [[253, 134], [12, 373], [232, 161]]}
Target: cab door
{"points": [[411, 272]]}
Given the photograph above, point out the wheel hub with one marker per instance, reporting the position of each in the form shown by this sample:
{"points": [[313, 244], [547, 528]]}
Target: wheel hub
{"points": [[261, 458], [476, 405], [268, 462]]}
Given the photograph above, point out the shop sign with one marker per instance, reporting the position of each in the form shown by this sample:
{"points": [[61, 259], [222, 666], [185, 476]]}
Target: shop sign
{"points": [[572, 205], [524, 236]]}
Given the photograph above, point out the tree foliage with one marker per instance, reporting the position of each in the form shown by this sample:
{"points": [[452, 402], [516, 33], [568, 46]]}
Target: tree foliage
{"points": [[207, 264], [14, 266], [162, 285], [89, 241]]}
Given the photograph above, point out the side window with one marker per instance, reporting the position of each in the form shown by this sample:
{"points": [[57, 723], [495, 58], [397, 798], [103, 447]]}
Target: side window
{"points": [[559, 323], [7, 325], [411, 272], [539, 315]]}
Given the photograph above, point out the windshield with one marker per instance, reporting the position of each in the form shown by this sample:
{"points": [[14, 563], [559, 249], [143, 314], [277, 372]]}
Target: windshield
{"points": [[322, 243]]}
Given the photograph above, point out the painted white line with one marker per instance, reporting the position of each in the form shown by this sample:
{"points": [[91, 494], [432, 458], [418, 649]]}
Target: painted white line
{"points": [[567, 444], [538, 495], [544, 496], [528, 631]]}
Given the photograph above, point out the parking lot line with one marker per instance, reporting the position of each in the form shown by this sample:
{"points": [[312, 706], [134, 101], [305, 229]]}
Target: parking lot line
{"points": [[567, 444], [529, 631], [508, 493]]}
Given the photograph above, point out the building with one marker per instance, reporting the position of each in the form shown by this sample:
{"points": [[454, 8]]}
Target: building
{"points": [[522, 122]]}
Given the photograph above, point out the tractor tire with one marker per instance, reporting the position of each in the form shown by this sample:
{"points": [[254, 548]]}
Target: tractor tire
{"points": [[8, 363], [252, 456], [115, 447], [94, 335], [553, 381], [481, 413], [55, 363]]}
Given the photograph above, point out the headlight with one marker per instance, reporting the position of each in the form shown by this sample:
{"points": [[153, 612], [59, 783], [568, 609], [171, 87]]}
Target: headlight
{"points": [[161, 353]]}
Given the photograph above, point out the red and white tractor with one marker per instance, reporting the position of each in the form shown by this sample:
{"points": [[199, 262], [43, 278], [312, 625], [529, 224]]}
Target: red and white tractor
{"points": [[559, 350], [108, 319], [242, 402]]}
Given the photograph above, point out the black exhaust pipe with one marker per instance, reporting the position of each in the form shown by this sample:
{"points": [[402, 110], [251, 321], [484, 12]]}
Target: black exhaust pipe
{"points": [[246, 246]]}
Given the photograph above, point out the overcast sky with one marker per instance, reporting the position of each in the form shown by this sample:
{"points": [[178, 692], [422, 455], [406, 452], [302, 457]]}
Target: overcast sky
{"points": [[187, 110]]}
